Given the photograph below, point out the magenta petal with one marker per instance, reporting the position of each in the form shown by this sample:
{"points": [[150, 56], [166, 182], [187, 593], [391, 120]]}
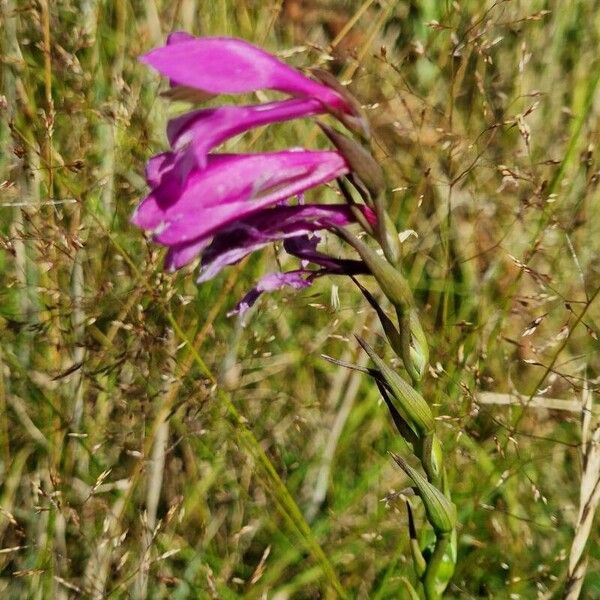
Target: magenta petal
{"points": [[231, 187], [222, 65], [272, 282], [176, 37], [264, 227], [301, 278], [197, 132], [157, 166], [305, 248], [182, 254], [149, 213]]}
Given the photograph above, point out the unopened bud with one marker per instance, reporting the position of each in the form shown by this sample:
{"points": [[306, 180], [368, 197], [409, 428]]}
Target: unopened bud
{"points": [[415, 350], [432, 458], [418, 560], [441, 512], [356, 121], [401, 425], [392, 283], [391, 332], [360, 161], [419, 341], [409, 403], [388, 234], [358, 211]]}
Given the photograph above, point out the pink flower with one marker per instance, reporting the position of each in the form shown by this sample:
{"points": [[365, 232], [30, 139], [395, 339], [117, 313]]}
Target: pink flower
{"points": [[224, 65], [232, 186], [225, 206]]}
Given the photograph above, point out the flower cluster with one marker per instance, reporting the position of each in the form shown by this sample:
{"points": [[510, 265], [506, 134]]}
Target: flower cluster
{"points": [[225, 206]]}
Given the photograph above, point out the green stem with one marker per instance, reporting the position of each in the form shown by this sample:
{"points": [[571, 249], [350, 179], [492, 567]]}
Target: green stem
{"points": [[430, 578]]}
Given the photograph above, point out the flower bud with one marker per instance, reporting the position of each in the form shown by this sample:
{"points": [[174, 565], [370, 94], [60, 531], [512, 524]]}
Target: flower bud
{"points": [[415, 350], [391, 332], [357, 121], [441, 512], [442, 572], [407, 401], [419, 563], [419, 341], [410, 590], [360, 161], [401, 425], [357, 209], [388, 234], [392, 283], [432, 458]]}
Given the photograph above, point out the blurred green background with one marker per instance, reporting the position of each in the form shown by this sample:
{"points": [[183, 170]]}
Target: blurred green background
{"points": [[126, 472]]}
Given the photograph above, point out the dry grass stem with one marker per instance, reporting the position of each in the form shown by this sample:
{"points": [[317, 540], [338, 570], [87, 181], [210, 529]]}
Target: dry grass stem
{"points": [[589, 498]]}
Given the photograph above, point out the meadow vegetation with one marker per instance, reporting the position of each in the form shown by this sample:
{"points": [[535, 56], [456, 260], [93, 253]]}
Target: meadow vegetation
{"points": [[152, 447]]}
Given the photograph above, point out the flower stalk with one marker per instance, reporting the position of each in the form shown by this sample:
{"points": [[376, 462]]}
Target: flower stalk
{"points": [[221, 207]]}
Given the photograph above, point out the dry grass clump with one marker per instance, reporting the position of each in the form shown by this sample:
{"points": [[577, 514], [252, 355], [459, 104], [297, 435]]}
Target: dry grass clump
{"points": [[126, 471]]}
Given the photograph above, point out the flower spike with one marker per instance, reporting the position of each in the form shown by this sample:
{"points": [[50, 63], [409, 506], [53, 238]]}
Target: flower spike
{"points": [[222, 207]]}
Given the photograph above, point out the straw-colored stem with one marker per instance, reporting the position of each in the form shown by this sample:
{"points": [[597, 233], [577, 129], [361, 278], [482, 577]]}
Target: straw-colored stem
{"points": [[589, 498]]}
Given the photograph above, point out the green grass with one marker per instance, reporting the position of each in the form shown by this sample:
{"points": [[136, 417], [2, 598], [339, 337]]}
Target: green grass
{"points": [[486, 123]]}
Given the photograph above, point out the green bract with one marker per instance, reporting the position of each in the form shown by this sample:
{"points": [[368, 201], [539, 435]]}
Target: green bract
{"points": [[409, 403], [441, 512]]}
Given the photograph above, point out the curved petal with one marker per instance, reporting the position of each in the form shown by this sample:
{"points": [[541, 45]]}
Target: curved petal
{"points": [[274, 281], [157, 166], [223, 65], [301, 278], [231, 187], [197, 132], [262, 228], [182, 254], [305, 248], [176, 37]]}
